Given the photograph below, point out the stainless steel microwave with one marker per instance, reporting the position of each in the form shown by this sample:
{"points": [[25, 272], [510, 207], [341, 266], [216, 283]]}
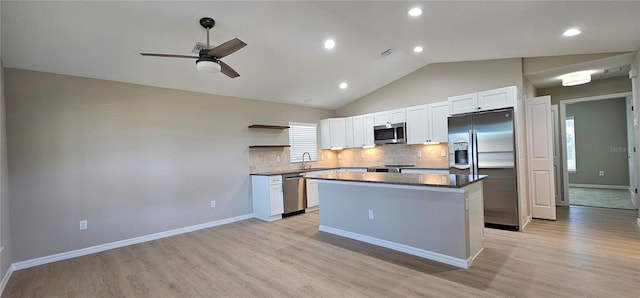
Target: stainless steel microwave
{"points": [[389, 133]]}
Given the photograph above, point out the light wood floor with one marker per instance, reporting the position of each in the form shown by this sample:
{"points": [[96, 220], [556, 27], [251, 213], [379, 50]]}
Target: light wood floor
{"points": [[588, 252]]}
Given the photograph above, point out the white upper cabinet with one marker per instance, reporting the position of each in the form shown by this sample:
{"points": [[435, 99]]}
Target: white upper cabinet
{"points": [[438, 122], [483, 101], [427, 123], [417, 124], [348, 129], [390, 117], [332, 133], [496, 98], [466, 103], [358, 130], [368, 123]]}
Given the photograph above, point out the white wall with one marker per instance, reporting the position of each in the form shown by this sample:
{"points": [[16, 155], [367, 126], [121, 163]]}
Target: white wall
{"points": [[132, 160], [436, 82]]}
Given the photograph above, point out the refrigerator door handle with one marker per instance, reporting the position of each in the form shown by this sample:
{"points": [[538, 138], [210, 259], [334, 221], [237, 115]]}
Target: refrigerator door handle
{"points": [[474, 151], [471, 151]]}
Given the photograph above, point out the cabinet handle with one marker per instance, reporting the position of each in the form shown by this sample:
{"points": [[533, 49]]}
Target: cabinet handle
{"points": [[479, 108]]}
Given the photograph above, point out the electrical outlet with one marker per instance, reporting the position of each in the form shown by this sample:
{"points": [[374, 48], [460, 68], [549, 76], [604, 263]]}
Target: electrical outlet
{"points": [[339, 155], [277, 158], [443, 153], [83, 224], [370, 214], [601, 173], [361, 154], [419, 154], [213, 204]]}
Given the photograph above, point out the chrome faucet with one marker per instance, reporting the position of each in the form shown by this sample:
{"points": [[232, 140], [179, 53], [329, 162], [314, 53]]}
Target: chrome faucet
{"points": [[303, 154]]}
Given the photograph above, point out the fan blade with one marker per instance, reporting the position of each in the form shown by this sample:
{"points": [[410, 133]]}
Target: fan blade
{"points": [[227, 70], [168, 55], [227, 48]]}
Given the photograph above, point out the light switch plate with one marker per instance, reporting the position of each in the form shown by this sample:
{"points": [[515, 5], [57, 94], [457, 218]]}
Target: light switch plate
{"points": [[443, 153], [419, 154]]}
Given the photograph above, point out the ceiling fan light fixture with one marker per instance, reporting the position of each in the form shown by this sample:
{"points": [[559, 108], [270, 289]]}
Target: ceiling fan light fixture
{"points": [[208, 66], [576, 78]]}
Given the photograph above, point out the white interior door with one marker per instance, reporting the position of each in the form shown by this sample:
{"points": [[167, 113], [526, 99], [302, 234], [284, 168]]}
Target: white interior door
{"points": [[540, 157], [555, 121]]}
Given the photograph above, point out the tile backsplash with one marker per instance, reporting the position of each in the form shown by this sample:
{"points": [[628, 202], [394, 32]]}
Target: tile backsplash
{"points": [[269, 160], [422, 156]]}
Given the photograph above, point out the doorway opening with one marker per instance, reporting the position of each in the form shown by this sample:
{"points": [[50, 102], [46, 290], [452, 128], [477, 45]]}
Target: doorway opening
{"points": [[597, 145]]}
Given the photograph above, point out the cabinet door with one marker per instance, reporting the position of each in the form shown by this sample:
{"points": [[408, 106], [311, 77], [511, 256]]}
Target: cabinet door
{"points": [[368, 130], [496, 98], [397, 116], [358, 131], [276, 198], [382, 118], [463, 103], [417, 124], [337, 133], [438, 127], [348, 130], [312, 193]]}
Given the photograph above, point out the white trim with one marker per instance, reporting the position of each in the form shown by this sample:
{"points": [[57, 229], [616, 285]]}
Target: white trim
{"points": [[312, 209], [5, 279], [457, 262], [599, 186], [121, 243]]}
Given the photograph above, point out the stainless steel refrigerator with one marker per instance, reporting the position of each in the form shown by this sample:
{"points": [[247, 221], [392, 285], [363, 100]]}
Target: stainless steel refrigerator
{"points": [[483, 143]]}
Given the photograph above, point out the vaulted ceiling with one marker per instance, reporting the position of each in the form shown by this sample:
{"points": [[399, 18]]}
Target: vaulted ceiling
{"points": [[285, 60]]}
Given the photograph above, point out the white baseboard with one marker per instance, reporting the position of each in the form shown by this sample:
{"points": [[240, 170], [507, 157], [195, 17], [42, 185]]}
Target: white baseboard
{"points": [[126, 242], [5, 279], [599, 186], [457, 262]]}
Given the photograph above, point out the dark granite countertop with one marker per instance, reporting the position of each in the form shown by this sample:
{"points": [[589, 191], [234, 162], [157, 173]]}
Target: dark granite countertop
{"points": [[436, 180], [297, 171]]}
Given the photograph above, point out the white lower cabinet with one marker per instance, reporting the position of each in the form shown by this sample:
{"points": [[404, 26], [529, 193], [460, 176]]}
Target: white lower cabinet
{"points": [[266, 193], [313, 200], [312, 193]]}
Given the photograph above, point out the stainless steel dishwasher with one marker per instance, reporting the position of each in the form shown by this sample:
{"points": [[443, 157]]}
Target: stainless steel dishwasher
{"points": [[294, 190]]}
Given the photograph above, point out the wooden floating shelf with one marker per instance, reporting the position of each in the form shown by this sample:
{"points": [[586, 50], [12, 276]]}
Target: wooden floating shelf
{"points": [[268, 126], [269, 146]]}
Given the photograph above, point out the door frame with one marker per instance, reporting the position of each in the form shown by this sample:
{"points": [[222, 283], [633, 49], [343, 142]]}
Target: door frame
{"points": [[563, 133], [555, 117]]}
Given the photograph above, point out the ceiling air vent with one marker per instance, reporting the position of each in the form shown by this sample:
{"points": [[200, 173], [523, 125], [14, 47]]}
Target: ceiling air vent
{"points": [[388, 52], [199, 46], [613, 70]]}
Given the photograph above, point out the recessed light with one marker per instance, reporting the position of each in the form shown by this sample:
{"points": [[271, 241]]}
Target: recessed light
{"points": [[418, 49], [571, 32], [414, 12], [344, 85], [329, 44]]}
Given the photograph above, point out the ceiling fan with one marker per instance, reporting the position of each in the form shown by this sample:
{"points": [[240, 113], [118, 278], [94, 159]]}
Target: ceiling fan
{"points": [[209, 58]]}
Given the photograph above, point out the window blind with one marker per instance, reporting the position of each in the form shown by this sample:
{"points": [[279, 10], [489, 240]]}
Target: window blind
{"points": [[303, 137]]}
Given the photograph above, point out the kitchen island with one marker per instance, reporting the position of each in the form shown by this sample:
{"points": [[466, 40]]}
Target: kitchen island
{"points": [[435, 216]]}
